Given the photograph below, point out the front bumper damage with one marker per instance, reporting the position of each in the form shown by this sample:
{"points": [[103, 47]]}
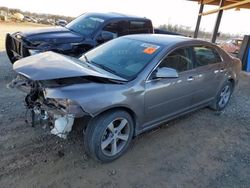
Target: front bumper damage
{"points": [[16, 48], [57, 114]]}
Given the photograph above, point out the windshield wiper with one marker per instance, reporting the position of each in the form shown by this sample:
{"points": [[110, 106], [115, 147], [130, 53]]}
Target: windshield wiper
{"points": [[105, 68], [100, 65], [87, 62], [86, 59]]}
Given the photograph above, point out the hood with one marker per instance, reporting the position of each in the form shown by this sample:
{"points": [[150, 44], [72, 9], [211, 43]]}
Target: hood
{"points": [[50, 65], [52, 35]]}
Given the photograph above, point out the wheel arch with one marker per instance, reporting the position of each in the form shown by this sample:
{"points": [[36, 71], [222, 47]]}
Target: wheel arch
{"points": [[122, 108], [232, 82]]}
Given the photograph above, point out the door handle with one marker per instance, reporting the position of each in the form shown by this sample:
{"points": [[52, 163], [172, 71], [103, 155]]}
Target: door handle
{"points": [[216, 71], [191, 78]]}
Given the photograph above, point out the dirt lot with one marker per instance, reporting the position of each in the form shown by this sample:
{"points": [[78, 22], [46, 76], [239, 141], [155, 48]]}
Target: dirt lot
{"points": [[14, 27], [201, 149]]}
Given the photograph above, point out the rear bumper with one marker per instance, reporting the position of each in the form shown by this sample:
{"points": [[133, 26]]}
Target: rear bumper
{"points": [[15, 48]]}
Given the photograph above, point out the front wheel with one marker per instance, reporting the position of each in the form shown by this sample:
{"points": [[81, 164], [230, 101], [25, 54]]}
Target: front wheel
{"points": [[108, 136], [223, 97]]}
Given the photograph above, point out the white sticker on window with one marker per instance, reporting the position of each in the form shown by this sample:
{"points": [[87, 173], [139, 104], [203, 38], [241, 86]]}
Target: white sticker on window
{"points": [[147, 45], [96, 19]]}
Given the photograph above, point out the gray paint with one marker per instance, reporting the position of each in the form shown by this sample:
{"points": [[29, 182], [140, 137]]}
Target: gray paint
{"points": [[50, 65], [151, 101]]}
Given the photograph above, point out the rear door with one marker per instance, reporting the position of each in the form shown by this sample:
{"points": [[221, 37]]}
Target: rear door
{"points": [[140, 26], [117, 28], [210, 70]]}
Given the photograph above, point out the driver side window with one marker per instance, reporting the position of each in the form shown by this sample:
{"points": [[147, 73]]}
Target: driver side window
{"points": [[179, 59], [118, 28]]}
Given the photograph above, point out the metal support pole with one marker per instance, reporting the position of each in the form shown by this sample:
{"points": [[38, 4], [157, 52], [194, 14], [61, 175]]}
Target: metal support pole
{"points": [[197, 27], [217, 23]]}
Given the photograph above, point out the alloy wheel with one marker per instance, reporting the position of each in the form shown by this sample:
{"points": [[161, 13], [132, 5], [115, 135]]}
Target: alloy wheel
{"points": [[224, 96], [115, 137]]}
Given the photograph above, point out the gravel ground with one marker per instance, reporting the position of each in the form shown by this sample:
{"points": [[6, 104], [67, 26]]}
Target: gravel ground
{"points": [[201, 149]]}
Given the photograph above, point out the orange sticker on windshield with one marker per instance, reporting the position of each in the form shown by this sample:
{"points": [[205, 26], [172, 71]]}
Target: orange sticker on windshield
{"points": [[149, 50]]}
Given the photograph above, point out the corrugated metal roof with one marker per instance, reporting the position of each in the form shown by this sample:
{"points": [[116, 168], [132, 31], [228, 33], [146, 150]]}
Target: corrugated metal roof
{"points": [[241, 3], [227, 4]]}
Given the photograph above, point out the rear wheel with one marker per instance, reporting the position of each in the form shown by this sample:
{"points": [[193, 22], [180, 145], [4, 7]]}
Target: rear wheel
{"points": [[223, 97], [109, 135]]}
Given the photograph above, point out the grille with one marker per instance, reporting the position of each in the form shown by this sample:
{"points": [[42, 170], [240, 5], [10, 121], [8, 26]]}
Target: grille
{"points": [[16, 46]]}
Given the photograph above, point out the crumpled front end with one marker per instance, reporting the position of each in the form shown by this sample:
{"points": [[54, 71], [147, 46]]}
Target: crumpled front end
{"points": [[58, 113], [61, 40]]}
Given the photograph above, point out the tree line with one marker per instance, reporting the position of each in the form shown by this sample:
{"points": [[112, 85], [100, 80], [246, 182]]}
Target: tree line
{"points": [[36, 15], [187, 31]]}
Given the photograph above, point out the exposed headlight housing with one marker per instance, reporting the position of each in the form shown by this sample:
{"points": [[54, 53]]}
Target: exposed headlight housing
{"points": [[66, 102], [68, 106]]}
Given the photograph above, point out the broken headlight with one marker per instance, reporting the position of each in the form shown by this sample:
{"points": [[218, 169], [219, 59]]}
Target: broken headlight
{"points": [[68, 106], [65, 102]]}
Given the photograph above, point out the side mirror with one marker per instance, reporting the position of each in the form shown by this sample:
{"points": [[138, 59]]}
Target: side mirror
{"points": [[165, 72], [106, 36]]}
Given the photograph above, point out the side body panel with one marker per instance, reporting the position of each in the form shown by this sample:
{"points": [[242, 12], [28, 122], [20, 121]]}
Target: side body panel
{"points": [[167, 97]]}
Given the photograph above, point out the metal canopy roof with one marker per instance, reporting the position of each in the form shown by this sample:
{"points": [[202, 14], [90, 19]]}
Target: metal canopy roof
{"points": [[228, 4], [221, 6]]}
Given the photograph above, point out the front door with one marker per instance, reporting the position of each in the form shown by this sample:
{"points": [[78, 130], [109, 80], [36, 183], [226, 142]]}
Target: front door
{"points": [[169, 96]]}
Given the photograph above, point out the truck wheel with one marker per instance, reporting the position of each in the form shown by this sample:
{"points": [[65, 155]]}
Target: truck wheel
{"points": [[108, 136], [223, 97]]}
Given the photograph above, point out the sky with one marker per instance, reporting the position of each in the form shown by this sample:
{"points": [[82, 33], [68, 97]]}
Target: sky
{"points": [[180, 12]]}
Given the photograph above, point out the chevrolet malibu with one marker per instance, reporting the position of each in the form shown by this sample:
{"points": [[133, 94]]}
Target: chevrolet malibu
{"points": [[125, 87]]}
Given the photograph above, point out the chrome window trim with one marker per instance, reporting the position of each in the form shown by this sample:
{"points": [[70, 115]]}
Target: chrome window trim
{"points": [[150, 80]]}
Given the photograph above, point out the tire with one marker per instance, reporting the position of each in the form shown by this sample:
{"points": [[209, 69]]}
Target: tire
{"points": [[223, 97], [108, 136]]}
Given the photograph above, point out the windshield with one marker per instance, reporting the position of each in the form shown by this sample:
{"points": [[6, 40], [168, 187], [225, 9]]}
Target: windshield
{"points": [[122, 56], [85, 24]]}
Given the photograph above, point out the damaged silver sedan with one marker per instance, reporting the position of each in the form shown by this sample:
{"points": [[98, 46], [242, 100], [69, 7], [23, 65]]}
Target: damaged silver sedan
{"points": [[125, 87]]}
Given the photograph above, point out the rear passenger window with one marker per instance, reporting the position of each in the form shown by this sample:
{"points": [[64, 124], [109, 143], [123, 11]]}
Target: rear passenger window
{"points": [[139, 27], [205, 56], [179, 60]]}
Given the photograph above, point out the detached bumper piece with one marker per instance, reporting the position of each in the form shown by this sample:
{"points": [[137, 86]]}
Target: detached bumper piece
{"points": [[62, 126]]}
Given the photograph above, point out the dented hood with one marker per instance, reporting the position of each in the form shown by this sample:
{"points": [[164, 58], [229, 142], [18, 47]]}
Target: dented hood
{"points": [[50, 65], [52, 35]]}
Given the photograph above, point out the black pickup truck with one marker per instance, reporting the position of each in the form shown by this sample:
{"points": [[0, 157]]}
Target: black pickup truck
{"points": [[85, 32]]}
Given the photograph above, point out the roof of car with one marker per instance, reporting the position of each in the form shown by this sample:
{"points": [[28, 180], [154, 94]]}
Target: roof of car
{"points": [[161, 39], [114, 15]]}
